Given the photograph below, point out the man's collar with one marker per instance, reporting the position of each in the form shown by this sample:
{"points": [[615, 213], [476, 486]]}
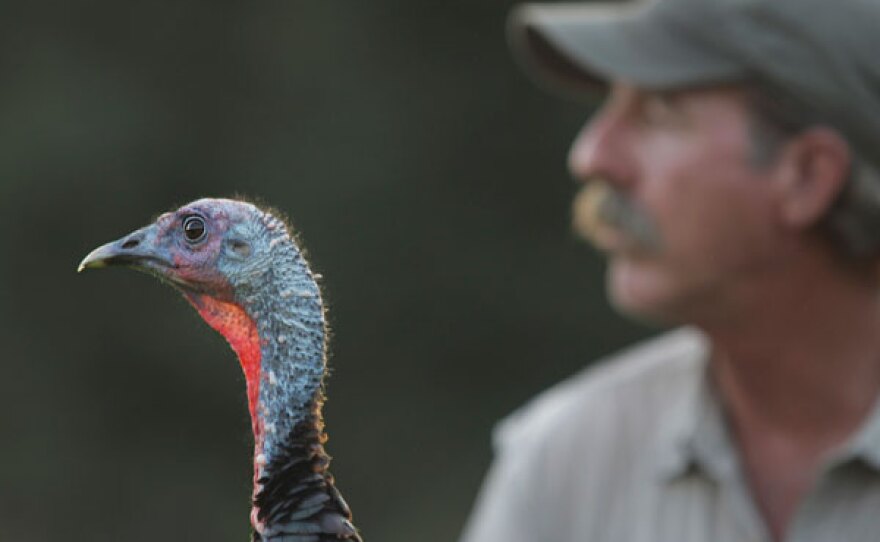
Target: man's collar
{"points": [[865, 444], [695, 435]]}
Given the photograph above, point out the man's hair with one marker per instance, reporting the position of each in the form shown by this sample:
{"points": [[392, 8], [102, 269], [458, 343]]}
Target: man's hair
{"points": [[853, 221]]}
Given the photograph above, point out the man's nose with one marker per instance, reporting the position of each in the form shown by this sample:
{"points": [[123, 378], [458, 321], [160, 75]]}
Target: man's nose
{"points": [[601, 151]]}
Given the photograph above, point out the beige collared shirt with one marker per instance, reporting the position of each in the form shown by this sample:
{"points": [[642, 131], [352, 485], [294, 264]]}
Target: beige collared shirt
{"points": [[636, 450]]}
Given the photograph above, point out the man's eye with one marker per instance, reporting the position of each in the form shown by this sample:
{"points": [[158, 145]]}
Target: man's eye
{"points": [[658, 110]]}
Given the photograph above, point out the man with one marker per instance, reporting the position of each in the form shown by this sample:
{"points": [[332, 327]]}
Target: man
{"points": [[732, 178]]}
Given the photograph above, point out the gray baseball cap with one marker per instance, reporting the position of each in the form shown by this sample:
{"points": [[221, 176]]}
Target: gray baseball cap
{"points": [[824, 53]]}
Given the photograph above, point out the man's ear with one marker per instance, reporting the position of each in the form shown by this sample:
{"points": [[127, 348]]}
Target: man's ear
{"points": [[811, 170]]}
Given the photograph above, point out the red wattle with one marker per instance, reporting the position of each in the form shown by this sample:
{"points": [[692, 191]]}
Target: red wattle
{"points": [[231, 321]]}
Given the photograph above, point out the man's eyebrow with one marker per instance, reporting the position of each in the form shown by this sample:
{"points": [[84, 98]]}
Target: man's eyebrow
{"points": [[671, 98], [668, 101]]}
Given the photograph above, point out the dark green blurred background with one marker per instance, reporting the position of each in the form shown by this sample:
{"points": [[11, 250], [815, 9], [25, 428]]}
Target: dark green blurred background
{"points": [[427, 177]]}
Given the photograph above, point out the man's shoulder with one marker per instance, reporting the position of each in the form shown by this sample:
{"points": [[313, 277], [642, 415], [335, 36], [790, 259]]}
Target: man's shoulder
{"points": [[641, 380]]}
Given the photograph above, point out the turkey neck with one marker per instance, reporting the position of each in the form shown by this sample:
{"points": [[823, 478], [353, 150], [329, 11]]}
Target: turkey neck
{"points": [[274, 320], [288, 316], [285, 312]]}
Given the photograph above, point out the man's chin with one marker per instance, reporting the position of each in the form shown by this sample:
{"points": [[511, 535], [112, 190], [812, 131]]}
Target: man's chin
{"points": [[636, 291]]}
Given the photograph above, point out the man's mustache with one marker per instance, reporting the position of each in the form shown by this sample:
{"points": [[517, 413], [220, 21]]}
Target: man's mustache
{"points": [[600, 211]]}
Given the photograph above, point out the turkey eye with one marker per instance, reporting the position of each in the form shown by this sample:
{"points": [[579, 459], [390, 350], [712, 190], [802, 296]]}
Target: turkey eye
{"points": [[194, 228]]}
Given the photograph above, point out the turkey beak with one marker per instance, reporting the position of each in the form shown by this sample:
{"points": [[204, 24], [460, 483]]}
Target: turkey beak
{"points": [[139, 249]]}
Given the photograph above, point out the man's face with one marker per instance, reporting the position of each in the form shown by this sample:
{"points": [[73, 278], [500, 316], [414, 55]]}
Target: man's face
{"points": [[697, 229]]}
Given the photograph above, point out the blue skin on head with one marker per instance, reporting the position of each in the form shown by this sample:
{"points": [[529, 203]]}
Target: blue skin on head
{"points": [[236, 253], [245, 275]]}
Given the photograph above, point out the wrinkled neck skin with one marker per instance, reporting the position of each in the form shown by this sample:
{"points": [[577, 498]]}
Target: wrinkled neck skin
{"points": [[277, 328], [289, 318]]}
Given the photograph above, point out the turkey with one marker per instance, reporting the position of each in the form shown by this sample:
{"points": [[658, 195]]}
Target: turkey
{"points": [[240, 268]]}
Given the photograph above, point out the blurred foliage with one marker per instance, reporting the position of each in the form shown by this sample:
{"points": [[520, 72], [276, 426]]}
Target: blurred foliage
{"points": [[427, 178]]}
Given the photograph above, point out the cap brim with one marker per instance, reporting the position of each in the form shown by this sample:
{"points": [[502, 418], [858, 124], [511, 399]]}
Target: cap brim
{"points": [[576, 48]]}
